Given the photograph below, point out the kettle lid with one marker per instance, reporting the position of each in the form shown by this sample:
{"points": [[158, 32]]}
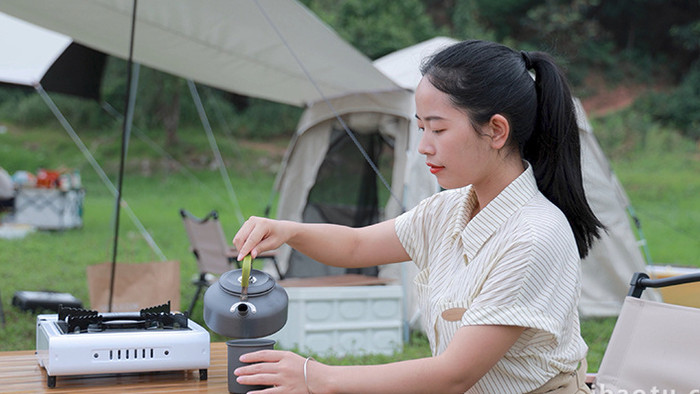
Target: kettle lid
{"points": [[260, 282]]}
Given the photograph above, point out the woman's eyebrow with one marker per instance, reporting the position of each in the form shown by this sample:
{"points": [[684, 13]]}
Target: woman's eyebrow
{"points": [[429, 118]]}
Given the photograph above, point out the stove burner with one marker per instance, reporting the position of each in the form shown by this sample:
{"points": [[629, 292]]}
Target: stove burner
{"points": [[78, 320]]}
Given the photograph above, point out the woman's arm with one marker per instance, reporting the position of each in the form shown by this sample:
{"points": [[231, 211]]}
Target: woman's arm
{"points": [[330, 244], [473, 351]]}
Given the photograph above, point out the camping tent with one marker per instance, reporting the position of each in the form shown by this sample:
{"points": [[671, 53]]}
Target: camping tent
{"points": [[308, 193], [616, 256]]}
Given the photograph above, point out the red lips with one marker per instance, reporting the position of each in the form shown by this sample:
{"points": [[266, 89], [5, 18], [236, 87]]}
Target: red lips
{"points": [[434, 169]]}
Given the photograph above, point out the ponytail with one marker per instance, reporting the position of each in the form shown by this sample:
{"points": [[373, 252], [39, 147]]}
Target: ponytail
{"points": [[485, 79], [554, 150]]}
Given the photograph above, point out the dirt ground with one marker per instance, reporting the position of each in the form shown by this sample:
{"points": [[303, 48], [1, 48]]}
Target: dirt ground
{"points": [[608, 98]]}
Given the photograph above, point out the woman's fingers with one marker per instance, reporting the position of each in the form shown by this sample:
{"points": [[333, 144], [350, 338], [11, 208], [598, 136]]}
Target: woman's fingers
{"points": [[258, 235], [260, 362], [249, 237], [241, 236], [260, 379], [262, 356], [261, 371], [282, 370]]}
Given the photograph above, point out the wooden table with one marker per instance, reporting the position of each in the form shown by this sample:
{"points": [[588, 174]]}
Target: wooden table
{"points": [[20, 372]]}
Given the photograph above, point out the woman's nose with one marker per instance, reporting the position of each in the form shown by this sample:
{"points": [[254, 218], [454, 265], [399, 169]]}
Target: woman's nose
{"points": [[424, 145]]}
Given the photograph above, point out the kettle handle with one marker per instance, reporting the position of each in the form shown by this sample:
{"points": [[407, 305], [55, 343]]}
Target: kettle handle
{"points": [[245, 274]]}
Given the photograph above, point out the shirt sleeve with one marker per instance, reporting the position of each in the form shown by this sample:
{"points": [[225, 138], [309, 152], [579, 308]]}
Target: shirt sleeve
{"points": [[420, 229], [410, 232]]}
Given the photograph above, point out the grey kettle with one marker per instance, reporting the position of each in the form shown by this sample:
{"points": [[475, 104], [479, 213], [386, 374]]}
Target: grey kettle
{"points": [[245, 303]]}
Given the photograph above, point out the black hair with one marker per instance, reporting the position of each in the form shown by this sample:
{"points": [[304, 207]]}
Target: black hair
{"points": [[485, 79]]}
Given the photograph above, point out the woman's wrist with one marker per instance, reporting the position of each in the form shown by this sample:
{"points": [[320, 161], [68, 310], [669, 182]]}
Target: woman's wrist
{"points": [[318, 377], [290, 231], [306, 373]]}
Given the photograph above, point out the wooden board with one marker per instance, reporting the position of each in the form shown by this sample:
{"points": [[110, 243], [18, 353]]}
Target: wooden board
{"points": [[20, 372]]}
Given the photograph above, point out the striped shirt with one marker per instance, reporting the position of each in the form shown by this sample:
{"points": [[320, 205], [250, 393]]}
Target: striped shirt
{"points": [[515, 263]]}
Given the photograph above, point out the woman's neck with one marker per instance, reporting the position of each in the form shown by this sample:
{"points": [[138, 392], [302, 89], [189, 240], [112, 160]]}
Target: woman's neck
{"points": [[496, 182]]}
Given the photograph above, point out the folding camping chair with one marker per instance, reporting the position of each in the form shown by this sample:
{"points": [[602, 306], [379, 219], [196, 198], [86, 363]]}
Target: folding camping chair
{"points": [[654, 346], [213, 253]]}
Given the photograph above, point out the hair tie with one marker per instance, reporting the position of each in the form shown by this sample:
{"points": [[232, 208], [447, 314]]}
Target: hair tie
{"points": [[526, 58]]}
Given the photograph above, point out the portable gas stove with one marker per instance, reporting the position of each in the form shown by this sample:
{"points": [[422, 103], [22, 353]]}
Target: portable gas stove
{"points": [[76, 341]]}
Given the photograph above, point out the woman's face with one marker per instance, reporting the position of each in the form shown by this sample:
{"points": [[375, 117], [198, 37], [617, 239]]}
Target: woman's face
{"points": [[456, 154]]}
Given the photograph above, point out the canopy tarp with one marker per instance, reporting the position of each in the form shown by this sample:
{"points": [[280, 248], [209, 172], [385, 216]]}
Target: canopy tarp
{"points": [[32, 55], [27, 51], [270, 49]]}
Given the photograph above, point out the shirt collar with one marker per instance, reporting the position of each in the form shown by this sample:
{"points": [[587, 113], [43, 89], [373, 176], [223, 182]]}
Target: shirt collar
{"points": [[475, 232]]}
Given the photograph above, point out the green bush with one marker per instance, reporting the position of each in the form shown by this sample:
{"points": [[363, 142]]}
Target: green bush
{"points": [[29, 110], [265, 119], [634, 132], [26, 107], [679, 108]]}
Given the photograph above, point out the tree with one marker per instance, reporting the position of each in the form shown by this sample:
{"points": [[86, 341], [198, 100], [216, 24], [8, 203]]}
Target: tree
{"points": [[467, 22], [655, 27], [377, 27], [165, 102]]}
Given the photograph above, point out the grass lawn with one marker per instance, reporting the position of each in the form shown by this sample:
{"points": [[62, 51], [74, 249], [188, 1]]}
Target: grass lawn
{"points": [[663, 185]]}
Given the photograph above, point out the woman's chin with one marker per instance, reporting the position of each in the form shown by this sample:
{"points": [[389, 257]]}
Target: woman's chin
{"points": [[446, 185], [450, 184]]}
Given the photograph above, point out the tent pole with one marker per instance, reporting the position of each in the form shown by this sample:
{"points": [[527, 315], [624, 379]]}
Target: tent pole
{"points": [[125, 139], [96, 166], [642, 240], [222, 121], [215, 149], [131, 102]]}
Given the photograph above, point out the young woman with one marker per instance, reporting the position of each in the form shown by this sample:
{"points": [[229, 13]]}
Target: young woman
{"points": [[498, 252]]}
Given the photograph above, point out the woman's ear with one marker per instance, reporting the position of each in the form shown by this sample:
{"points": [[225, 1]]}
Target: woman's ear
{"points": [[500, 131]]}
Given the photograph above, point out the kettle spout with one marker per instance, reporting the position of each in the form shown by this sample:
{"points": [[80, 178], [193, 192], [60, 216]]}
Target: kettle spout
{"points": [[243, 309]]}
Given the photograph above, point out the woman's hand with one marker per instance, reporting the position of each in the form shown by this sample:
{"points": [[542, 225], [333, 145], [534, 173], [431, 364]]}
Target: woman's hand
{"points": [[282, 370], [258, 235]]}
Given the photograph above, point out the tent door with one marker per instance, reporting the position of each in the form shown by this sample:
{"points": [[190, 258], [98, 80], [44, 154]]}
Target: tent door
{"points": [[347, 192]]}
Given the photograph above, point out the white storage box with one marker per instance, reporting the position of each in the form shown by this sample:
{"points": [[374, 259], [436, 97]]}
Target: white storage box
{"points": [[338, 321], [49, 209]]}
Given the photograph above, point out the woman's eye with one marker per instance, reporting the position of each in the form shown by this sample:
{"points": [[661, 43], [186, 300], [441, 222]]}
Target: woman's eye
{"points": [[422, 129]]}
